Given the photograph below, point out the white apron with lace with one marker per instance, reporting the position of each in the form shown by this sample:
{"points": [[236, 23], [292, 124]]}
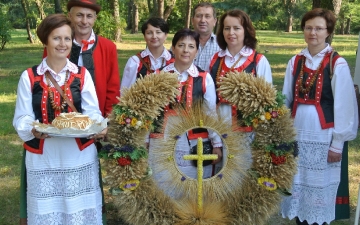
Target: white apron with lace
{"points": [[316, 182], [63, 185]]}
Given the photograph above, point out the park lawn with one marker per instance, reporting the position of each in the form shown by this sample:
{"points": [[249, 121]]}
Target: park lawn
{"points": [[18, 55]]}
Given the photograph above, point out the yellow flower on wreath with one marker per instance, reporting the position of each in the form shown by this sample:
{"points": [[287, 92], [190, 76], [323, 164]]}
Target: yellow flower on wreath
{"points": [[267, 183], [255, 122], [133, 122], [267, 116]]}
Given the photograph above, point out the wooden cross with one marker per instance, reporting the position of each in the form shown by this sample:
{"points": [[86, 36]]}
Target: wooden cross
{"points": [[200, 157]]}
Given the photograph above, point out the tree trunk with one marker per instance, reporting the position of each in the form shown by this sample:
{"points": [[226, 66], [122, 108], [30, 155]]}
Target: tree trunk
{"points": [[150, 8], [117, 20], [40, 6], [342, 28], [58, 6], [135, 24], [161, 6], [188, 14], [348, 21], [129, 17], [169, 9], [337, 6], [289, 23], [316, 4], [155, 10], [289, 10], [26, 12]]}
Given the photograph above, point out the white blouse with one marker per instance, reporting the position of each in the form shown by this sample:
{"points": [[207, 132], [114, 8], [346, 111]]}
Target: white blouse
{"points": [[263, 68], [131, 67]]}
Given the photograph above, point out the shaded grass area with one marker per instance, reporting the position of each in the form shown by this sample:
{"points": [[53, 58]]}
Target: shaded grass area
{"points": [[18, 55], [10, 156]]}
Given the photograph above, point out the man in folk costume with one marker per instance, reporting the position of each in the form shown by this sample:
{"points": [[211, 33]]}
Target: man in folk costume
{"points": [[97, 54]]}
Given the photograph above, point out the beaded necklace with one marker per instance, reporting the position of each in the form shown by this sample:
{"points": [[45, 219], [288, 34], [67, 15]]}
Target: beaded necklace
{"points": [[185, 88], [148, 65], [51, 93], [218, 73], [305, 86]]}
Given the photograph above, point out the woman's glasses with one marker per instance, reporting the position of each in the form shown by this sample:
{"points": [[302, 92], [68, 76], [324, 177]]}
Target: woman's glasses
{"points": [[316, 29]]}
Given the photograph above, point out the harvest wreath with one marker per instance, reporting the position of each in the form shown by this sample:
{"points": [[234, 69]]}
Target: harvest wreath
{"points": [[235, 195]]}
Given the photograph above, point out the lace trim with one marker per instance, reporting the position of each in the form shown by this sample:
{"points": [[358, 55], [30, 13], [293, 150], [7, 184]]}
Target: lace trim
{"points": [[63, 182], [315, 185], [83, 217]]}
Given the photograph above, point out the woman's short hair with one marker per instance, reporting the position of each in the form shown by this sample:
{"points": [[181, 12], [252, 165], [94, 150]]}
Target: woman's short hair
{"points": [[249, 30], [323, 13], [155, 22], [50, 23], [183, 33]]}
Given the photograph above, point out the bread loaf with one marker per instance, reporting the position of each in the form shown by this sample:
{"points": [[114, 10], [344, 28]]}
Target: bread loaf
{"points": [[72, 120]]}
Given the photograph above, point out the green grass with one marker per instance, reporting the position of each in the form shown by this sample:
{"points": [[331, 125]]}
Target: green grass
{"points": [[19, 55]]}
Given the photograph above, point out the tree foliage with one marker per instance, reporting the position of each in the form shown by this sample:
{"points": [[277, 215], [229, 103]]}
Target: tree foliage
{"points": [[5, 28], [265, 14]]}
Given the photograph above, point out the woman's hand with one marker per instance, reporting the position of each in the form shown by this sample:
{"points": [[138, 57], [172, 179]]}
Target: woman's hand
{"points": [[218, 152], [99, 136], [333, 157], [39, 135]]}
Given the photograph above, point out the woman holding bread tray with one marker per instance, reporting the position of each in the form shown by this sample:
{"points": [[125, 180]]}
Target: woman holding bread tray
{"points": [[62, 174]]}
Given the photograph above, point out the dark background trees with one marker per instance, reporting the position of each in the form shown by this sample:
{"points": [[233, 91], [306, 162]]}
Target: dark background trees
{"points": [[125, 16]]}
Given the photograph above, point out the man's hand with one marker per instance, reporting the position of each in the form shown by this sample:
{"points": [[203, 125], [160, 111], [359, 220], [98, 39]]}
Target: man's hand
{"points": [[99, 136], [218, 152]]}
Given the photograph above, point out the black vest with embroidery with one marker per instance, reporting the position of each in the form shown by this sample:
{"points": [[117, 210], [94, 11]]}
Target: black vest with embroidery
{"points": [[37, 93], [197, 96], [144, 71], [87, 57], [325, 104]]}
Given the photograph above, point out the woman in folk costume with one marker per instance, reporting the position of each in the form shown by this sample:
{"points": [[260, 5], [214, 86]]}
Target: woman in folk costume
{"points": [[154, 57], [320, 93], [62, 174], [237, 39], [195, 85]]}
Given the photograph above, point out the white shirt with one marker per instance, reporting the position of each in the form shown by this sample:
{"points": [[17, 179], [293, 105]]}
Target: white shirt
{"points": [[92, 37]]}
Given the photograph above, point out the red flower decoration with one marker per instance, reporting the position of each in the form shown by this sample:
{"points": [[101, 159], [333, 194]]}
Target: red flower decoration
{"points": [[124, 161], [278, 159], [274, 114]]}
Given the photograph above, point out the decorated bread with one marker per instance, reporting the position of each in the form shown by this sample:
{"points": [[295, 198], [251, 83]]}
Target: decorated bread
{"points": [[72, 120]]}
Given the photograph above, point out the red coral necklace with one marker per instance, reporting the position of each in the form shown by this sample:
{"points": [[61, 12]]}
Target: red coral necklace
{"points": [[62, 104], [305, 86]]}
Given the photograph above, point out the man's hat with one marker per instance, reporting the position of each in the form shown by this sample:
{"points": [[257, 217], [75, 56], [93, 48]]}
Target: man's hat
{"points": [[91, 4]]}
